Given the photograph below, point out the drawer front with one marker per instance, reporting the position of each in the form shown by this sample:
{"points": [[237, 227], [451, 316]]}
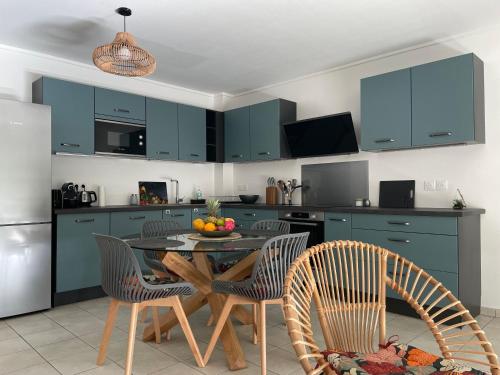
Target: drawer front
{"points": [[202, 213], [181, 216], [448, 279], [78, 258], [429, 251], [337, 226], [250, 214], [399, 223], [120, 105], [245, 224], [129, 223]]}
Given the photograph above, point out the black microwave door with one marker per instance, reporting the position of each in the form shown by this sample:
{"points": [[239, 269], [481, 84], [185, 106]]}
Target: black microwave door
{"points": [[119, 138]]}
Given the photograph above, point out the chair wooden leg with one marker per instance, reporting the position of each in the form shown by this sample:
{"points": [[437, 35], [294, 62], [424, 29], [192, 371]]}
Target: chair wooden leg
{"points": [[156, 323], [210, 320], [131, 338], [262, 336], [181, 317], [108, 330], [255, 323], [144, 315], [224, 315]]}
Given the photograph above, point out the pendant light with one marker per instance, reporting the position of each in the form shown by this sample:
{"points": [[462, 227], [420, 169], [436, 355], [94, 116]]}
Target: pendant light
{"points": [[122, 56]]}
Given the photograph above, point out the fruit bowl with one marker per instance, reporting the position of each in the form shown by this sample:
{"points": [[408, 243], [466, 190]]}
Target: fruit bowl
{"points": [[214, 225], [215, 233]]}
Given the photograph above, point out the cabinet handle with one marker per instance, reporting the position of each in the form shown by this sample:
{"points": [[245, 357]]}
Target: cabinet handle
{"points": [[136, 217], [80, 221], [265, 153], [237, 156], [440, 134], [385, 140], [163, 152], [177, 215], [70, 144], [405, 223], [196, 155], [249, 214], [338, 219], [402, 240], [122, 110]]}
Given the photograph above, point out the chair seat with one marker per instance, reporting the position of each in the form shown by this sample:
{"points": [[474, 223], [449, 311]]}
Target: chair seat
{"points": [[395, 359]]}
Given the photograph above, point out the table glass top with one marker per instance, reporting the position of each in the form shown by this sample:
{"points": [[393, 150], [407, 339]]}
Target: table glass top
{"points": [[181, 242]]}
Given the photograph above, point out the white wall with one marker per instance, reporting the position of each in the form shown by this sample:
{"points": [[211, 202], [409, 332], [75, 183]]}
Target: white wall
{"points": [[474, 169], [119, 176]]}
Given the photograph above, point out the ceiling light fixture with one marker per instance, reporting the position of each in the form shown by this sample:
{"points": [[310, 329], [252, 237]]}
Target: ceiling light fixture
{"points": [[122, 56]]}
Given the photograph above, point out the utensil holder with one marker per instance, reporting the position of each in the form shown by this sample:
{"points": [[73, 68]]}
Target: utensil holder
{"points": [[271, 195]]}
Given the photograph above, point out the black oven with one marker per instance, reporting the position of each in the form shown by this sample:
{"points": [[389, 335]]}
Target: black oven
{"points": [[301, 221], [112, 137]]}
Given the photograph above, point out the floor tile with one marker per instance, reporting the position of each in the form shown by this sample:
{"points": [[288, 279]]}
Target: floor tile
{"points": [[282, 361], [94, 338], [76, 363], [148, 362], [180, 369], [107, 369], [30, 324], [63, 349], [19, 360], [13, 345], [44, 369], [178, 347], [7, 333], [48, 337]]}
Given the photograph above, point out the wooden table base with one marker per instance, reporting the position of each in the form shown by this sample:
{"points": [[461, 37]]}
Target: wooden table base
{"points": [[200, 275]]}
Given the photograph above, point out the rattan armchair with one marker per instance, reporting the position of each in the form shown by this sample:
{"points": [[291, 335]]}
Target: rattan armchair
{"points": [[345, 284]]}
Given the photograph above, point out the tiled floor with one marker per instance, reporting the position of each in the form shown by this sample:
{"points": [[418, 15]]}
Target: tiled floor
{"points": [[65, 341]]}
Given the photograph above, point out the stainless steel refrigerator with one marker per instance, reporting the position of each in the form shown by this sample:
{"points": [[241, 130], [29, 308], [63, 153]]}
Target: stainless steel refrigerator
{"points": [[25, 207]]}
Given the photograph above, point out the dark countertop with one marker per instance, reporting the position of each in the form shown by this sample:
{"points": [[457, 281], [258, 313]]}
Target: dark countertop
{"points": [[356, 210]]}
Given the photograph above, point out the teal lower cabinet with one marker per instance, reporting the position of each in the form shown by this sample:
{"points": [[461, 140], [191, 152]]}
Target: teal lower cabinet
{"points": [[202, 213], [245, 224], [250, 214], [130, 223], [77, 255], [337, 226], [181, 216]]}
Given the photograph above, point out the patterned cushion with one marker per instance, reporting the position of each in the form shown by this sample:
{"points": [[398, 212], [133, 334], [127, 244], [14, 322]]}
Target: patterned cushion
{"points": [[395, 359]]}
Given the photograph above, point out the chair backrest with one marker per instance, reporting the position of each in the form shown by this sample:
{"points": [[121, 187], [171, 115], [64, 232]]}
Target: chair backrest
{"points": [[120, 271], [347, 281], [272, 263], [279, 226], [159, 228]]}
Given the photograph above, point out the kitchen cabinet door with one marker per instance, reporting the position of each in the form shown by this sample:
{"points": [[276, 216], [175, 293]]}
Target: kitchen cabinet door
{"points": [[162, 132], [72, 114], [237, 134], [447, 100], [120, 106], [192, 133], [265, 131], [337, 226], [78, 258], [202, 213], [180, 215], [386, 111]]}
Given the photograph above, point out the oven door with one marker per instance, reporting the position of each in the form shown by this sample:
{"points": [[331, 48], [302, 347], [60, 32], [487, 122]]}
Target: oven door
{"points": [[113, 137], [316, 230]]}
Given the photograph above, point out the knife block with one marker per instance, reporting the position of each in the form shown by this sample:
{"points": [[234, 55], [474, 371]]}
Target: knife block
{"points": [[271, 195]]}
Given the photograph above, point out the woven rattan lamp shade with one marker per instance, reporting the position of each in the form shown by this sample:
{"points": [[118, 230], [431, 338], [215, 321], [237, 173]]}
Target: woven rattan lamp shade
{"points": [[123, 57]]}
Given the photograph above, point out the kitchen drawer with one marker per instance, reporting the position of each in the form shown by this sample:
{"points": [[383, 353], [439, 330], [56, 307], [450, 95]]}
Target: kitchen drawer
{"points": [[120, 105], [251, 214], [129, 223], [400, 223], [448, 279], [429, 251], [180, 215], [337, 226], [244, 224], [202, 213], [78, 259]]}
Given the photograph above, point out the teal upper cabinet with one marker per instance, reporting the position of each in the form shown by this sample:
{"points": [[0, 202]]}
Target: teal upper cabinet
{"points": [[192, 133], [439, 103], [78, 258], [386, 111], [121, 106], [72, 114], [267, 136], [237, 134], [447, 102], [162, 132]]}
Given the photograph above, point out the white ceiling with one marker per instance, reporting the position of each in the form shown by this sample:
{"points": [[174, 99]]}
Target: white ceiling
{"points": [[237, 45]]}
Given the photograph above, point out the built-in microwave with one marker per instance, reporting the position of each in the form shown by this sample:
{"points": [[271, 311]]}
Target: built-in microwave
{"points": [[113, 137]]}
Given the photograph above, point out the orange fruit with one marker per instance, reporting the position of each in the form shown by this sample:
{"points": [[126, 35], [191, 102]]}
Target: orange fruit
{"points": [[209, 227], [198, 224]]}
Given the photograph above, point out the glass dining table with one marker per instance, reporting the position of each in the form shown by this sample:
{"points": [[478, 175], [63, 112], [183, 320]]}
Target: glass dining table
{"points": [[186, 254]]}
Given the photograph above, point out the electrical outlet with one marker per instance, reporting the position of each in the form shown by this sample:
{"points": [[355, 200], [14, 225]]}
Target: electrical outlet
{"points": [[430, 185], [441, 185], [242, 187]]}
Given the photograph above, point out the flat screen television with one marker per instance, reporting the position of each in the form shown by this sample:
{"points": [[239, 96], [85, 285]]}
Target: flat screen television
{"points": [[327, 135]]}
